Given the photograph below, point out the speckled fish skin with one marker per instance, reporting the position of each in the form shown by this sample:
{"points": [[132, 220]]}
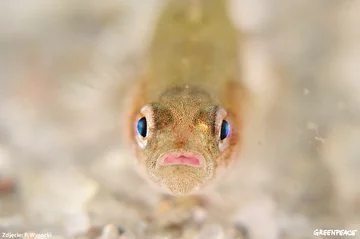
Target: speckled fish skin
{"points": [[190, 84]]}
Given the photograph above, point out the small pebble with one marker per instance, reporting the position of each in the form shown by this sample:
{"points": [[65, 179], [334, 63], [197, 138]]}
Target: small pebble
{"points": [[242, 231], [199, 215], [110, 231], [6, 185]]}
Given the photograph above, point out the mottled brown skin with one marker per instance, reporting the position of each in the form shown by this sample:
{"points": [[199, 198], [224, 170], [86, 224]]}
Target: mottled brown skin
{"points": [[189, 86]]}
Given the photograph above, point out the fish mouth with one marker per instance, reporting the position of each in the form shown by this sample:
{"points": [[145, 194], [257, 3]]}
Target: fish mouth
{"points": [[182, 158]]}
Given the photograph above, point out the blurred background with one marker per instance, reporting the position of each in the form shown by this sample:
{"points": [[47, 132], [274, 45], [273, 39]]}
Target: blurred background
{"points": [[65, 69]]}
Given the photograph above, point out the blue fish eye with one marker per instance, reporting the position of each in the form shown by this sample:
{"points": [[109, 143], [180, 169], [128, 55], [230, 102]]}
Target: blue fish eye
{"points": [[225, 130], [142, 127]]}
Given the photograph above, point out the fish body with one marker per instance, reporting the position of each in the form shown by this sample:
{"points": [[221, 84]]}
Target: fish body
{"points": [[185, 118]]}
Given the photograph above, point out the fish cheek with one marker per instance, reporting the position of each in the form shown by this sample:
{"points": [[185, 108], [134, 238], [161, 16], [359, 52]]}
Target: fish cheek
{"points": [[225, 158], [163, 119], [142, 160]]}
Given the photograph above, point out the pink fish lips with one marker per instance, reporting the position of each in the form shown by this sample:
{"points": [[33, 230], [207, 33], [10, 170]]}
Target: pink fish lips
{"points": [[182, 158], [192, 161]]}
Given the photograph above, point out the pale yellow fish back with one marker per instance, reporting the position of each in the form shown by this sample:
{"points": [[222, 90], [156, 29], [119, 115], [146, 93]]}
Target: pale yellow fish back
{"points": [[194, 43]]}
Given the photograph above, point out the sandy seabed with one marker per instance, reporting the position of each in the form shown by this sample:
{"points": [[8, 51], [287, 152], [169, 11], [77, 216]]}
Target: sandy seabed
{"points": [[66, 172]]}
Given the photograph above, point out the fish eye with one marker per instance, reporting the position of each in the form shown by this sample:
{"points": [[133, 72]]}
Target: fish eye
{"points": [[224, 130], [142, 127]]}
